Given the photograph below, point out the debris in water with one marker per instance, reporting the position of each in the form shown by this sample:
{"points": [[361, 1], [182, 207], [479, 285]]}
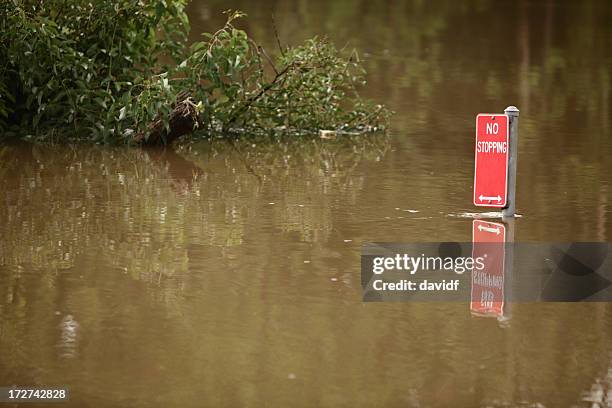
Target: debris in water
{"points": [[327, 134]]}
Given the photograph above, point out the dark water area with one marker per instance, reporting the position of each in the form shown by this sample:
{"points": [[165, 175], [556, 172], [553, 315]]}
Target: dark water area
{"points": [[228, 275]]}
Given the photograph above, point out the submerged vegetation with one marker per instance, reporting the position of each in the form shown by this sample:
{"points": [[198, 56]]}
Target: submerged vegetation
{"points": [[122, 71]]}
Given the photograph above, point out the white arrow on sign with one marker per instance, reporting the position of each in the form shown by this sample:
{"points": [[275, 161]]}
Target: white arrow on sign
{"points": [[483, 198], [493, 230]]}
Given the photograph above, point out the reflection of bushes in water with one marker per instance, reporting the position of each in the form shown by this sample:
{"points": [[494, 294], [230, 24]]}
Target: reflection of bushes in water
{"points": [[65, 202], [141, 209], [329, 158], [304, 178]]}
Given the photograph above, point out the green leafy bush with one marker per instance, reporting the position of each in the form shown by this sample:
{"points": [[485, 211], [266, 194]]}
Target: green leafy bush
{"points": [[106, 70]]}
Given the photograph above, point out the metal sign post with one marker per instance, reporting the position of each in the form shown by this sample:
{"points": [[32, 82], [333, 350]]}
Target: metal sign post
{"points": [[513, 116]]}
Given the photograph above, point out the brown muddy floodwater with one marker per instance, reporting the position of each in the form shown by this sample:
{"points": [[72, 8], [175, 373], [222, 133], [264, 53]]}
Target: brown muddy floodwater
{"points": [[224, 277]]}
